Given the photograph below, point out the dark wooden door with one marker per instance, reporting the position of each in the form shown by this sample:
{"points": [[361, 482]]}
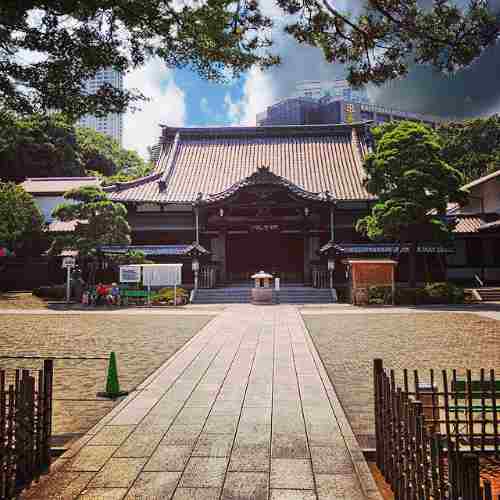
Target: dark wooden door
{"points": [[273, 252]]}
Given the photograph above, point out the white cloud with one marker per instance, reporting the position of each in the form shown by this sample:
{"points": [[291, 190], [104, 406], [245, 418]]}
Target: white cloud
{"points": [[258, 93], [205, 108], [263, 88], [166, 106]]}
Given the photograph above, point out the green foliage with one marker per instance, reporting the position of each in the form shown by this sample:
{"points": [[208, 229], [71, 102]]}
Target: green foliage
{"points": [[21, 221], [413, 184], [386, 37], [380, 295], [71, 41], [38, 146], [51, 146], [103, 155], [444, 293], [99, 221], [126, 176], [432, 293], [409, 296], [50, 292], [473, 146], [131, 257], [167, 295]]}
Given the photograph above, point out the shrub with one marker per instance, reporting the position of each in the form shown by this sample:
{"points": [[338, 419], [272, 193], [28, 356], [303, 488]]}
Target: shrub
{"points": [[167, 295], [380, 295], [443, 293], [50, 292], [409, 296], [342, 294]]}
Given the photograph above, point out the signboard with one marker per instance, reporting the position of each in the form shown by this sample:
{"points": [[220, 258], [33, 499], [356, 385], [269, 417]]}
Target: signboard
{"points": [[130, 274], [264, 227], [68, 262], [389, 248], [161, 274]]}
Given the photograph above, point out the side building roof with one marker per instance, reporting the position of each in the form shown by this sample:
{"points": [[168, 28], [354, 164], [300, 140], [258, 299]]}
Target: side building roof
{"points": [[57, 185], [482, 180], [314, 158]]}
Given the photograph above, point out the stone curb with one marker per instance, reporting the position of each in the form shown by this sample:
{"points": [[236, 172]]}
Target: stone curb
{"points": [[363, 473]]}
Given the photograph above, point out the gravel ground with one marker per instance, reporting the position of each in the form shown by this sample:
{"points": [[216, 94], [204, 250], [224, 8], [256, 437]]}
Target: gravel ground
{"points": [[349, 343], [142, 344], [21, 300]]}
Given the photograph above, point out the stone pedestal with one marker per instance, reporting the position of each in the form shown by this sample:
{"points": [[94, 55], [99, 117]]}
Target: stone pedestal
{"points": [[262, 296]]}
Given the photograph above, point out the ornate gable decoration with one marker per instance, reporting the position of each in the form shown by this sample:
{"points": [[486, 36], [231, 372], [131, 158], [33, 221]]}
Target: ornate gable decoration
{"points": [[264, 177]]}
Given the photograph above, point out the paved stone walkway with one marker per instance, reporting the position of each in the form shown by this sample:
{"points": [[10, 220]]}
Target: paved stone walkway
{"points": [[244, 411]]}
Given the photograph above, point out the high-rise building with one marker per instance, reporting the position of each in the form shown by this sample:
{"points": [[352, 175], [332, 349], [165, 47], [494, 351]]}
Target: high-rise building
{"points": [[339, 89], [112, 123], [310, 111]]}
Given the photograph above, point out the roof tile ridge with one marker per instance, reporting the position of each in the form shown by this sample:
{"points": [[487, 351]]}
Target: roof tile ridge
{"points": [[358, 151], [119, 186], [166, 175]]}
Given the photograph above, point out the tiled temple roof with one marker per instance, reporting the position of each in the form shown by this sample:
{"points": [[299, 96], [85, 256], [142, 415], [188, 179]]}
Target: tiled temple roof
{"points": [[314, 158]]}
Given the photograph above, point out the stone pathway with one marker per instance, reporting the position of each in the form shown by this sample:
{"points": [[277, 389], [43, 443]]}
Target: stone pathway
{"points": [[244, 411]]}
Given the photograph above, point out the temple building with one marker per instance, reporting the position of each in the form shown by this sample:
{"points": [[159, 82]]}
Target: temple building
{"points": [[284, 199], [477, 234]]}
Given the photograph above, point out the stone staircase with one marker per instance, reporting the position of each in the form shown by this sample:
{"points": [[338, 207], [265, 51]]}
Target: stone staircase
{"points": [[488, 294], [242, 295]]}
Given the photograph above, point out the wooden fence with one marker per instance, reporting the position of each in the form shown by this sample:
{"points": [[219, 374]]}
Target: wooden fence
{"points": [[429, 437], [208, 277], [321, 278], [25, 428]]}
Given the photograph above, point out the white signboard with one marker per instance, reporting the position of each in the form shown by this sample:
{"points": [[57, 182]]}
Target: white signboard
{"points": [[68, 262], [161, 274], [130, 274]]}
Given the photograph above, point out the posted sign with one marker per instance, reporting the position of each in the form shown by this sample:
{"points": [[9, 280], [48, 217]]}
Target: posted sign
{"points": [[130, 274]]}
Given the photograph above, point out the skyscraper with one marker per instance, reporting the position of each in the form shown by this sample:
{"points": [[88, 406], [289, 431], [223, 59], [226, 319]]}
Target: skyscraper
{"points": [[339, 89], [112, 123]]}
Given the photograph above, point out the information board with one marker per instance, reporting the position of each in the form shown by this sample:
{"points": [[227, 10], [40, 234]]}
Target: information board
{"points": [[130, 274], [161, 274]]}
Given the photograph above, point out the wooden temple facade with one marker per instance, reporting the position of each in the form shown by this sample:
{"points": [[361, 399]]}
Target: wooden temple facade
{"points": [[281, 199]]}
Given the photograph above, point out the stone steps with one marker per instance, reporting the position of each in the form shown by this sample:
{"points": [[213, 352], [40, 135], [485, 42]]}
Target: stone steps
{"points": [[242, 295]]}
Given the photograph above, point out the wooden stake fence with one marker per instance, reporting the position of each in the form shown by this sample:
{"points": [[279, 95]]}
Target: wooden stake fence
{"points": [[428, 441], [25, 428]]}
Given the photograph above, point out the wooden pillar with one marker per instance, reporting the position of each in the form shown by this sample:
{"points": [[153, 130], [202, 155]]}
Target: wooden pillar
{"points": [[222, 249], [307, 257]]}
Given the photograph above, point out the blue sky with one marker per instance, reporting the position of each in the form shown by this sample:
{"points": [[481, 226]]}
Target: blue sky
{"points": [[181, 98], [204, 100]]}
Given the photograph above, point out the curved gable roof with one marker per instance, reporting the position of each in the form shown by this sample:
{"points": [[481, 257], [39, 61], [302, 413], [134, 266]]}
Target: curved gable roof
{"points": [[314, 158]]}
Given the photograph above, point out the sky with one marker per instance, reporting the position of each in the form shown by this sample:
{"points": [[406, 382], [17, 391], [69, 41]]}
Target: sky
{"points": [[181, 98]]}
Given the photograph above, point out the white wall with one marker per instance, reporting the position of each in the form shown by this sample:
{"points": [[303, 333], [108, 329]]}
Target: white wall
{"points": [[47, 204]]}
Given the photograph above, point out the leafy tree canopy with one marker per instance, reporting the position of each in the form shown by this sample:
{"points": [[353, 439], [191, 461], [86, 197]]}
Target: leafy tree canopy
{"points": [[102, 154], [21, 222], [48, 47], [98, 221], [51, 146], [413, 184], [38, 146], [473, 146]]}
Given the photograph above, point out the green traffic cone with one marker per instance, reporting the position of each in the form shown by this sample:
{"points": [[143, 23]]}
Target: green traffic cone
{"points": [[112, 383]]}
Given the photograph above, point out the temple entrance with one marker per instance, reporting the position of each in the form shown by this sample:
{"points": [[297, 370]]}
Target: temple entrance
{"points": [[275, 252]]}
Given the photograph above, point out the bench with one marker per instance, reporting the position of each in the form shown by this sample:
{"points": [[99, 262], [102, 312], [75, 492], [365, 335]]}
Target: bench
{"points": [[479, 390], [136, 295]]}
